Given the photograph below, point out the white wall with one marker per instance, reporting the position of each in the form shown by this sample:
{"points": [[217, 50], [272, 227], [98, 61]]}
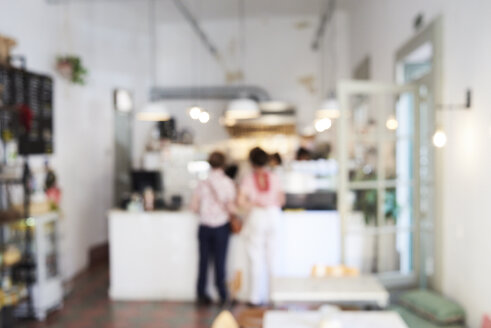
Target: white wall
{"points": [[110, 39], [379, 28]]}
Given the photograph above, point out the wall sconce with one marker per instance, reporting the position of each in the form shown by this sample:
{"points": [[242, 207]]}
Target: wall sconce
{"points": [[440, 137]]}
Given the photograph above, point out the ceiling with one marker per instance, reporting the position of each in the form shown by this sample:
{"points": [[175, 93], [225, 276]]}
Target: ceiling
{"points": [[226, 9], [221, 9]]}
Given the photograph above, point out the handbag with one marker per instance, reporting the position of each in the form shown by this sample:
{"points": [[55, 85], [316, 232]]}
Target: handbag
{"points": [[234, 220], [235, 224]]}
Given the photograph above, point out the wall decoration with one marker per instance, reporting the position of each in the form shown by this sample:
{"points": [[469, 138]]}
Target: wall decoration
{"points": [[72, 68], [26, 113]]}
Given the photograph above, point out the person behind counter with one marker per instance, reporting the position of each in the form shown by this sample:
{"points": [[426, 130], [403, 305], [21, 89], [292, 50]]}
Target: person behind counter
{"points": [[213, 201], [260, 192], [303, 154], [275, 160]]}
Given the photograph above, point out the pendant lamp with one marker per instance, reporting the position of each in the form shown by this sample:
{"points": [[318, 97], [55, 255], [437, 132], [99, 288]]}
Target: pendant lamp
{"points": [[242, 109], [329, 108], [154, 112]]}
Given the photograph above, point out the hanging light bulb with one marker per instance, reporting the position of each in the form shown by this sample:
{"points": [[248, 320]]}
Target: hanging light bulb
{"points": [[204, 117], [323, 124], [439, 138], [194, 112], [392, 123]]}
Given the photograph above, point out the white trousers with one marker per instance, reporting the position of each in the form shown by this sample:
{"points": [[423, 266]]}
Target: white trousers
{"points": [[260, 237]]}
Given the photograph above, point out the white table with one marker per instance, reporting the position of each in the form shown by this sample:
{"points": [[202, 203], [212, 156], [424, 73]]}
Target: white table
{"points": [[364, 290], [279, 319]]}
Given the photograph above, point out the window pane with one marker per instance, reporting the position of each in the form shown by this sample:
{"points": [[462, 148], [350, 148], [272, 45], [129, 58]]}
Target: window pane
{"points": [[366, 204], [384, 252], [363, 161]]}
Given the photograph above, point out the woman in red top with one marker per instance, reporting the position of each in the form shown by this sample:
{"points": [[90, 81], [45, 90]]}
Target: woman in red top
{"points": [[261, 194]]}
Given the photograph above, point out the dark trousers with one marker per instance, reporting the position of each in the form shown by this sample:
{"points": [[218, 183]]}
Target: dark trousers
{"points": [[213, 244]]}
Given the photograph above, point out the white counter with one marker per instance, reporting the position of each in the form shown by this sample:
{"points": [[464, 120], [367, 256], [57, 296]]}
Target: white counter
{"points": [[154, 255]]}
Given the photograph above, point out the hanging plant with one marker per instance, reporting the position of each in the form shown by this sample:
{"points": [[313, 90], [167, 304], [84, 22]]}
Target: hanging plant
{"points": [[71, 68]]}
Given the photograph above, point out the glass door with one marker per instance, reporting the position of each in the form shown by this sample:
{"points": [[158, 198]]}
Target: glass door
{"points": [[378, 196], [427, 178]]}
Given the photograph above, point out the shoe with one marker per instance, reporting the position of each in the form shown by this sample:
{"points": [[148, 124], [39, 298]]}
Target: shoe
{"points": [[204, 301], [223, 303], [253, 305]]}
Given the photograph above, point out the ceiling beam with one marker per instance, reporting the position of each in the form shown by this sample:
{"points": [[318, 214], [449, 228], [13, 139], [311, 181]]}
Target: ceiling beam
{"points": [[196, 27], [324, 20]]}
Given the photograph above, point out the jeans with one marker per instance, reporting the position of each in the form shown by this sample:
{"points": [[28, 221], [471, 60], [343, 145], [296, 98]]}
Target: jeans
{"points": [[213, 244]]}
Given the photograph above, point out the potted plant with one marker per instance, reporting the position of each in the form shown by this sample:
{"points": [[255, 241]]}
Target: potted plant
{"points": [[72, 68]]}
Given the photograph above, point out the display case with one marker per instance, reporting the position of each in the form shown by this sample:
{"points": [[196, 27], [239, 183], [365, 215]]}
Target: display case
{"points": [[310, 185], [47, 286]]}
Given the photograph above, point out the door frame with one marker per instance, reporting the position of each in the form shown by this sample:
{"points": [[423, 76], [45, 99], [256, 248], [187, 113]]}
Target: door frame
{"points": [[432, 34], [345, 89]]}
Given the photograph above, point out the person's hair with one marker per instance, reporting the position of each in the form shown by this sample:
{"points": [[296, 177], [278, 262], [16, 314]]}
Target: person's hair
{"points": [[216, 160], [258, 157], [231, 171], [303, 153], [276, 157]]}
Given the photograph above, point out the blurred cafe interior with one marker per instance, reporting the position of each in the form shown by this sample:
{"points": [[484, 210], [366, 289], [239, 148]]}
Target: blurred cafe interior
{"points": [[259, 163]]}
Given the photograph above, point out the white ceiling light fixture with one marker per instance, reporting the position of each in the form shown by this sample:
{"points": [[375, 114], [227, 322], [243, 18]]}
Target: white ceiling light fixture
{"points": [[273, 106], [439, 138], [329, 107], [392, 123], [242, 108], [154, 112]]}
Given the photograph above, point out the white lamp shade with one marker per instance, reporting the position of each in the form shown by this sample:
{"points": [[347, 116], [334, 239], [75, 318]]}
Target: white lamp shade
{"points": [[154, 112], [242, 109], [329, 109]]}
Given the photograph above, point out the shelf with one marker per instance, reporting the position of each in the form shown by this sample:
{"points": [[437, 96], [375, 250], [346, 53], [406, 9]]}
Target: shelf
{"points": [[9, 216], [10, 178], [13, 295]]}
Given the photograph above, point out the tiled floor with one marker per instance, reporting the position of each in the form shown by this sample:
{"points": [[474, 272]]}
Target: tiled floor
{"points": [[89, 307]]}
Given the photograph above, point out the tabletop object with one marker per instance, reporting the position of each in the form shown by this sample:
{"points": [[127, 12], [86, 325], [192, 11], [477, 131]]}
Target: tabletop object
{"points": [[363, 290], [311, 319]]}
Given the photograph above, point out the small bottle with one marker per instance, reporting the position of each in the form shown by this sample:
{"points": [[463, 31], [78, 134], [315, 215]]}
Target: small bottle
{"points": [[148, 199]]}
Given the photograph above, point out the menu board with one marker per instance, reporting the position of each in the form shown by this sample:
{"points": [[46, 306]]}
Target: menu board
{"points": [[21, 88]]}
